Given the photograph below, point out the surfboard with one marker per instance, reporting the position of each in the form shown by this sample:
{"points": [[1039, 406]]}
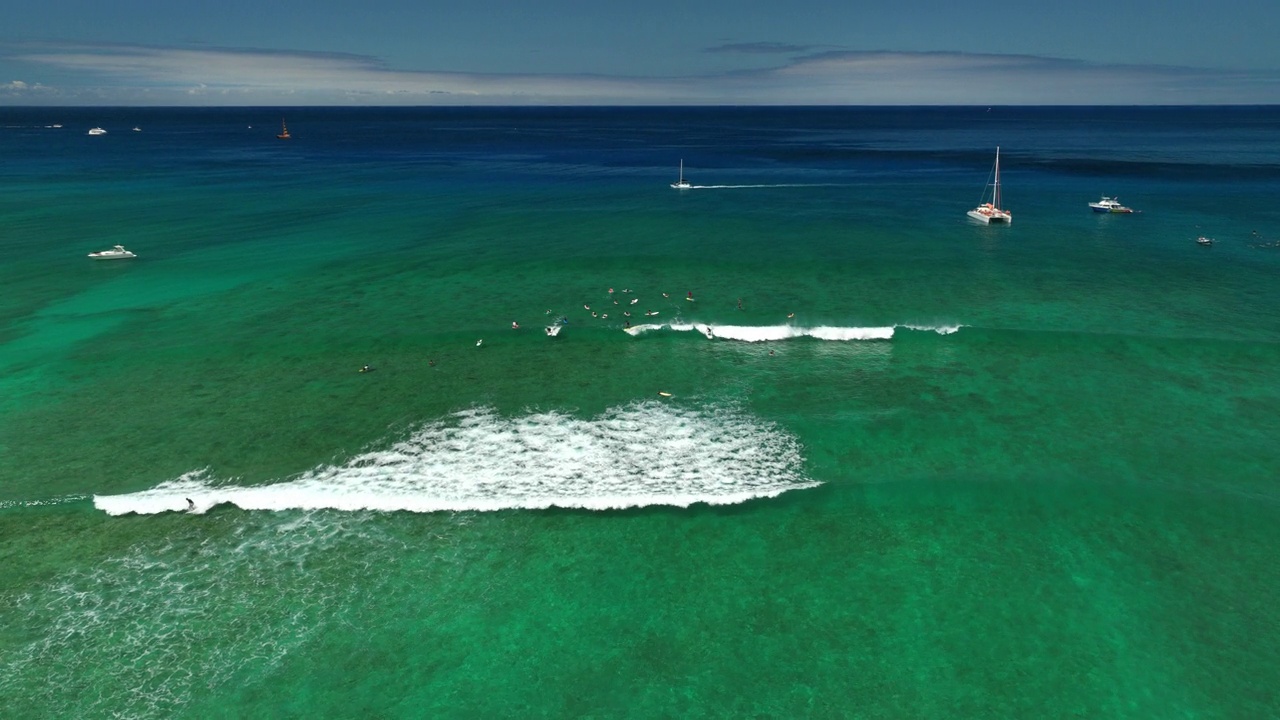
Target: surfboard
{"points": [[664, 394]]}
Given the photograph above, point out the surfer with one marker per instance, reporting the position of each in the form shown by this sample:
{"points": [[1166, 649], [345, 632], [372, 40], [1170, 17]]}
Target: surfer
{"points": [[739, 303], [479, 342], [515, 325], [431, 363], [366, 368], [191, 505]]}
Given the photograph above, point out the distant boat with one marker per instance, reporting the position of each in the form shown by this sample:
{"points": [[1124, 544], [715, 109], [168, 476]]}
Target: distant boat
{"points": [[1204, 240], [1109, 205], [284, 131], [990, 212], [116, 253], [137, 129], [681, 184], [97, 131]]}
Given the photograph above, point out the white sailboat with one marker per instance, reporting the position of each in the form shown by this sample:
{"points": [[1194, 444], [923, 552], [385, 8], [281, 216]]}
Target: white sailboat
{"points": [[990, 212], [681, 184]]}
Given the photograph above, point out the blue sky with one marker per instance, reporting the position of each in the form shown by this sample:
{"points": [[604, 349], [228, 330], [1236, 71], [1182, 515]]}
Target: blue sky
{"points": [[598, 52]]}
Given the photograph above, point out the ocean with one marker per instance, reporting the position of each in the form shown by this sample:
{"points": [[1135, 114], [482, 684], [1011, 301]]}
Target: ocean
{"points": [[809, 444]]}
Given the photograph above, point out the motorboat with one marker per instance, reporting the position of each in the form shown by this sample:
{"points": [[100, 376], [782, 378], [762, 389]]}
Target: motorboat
{"points": [[681, 184], [1204, 240], [1109, 205], [115, 253], [990, 212], [97, 131]]}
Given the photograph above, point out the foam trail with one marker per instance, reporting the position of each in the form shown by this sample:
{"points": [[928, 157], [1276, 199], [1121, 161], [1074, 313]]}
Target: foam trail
{"points": [[648, 453], [61, 500], [772, 185], [749, 333]]}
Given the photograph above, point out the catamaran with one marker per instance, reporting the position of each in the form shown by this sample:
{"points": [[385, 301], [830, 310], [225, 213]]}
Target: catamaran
{"points": [[990, 212], [681, 184]]}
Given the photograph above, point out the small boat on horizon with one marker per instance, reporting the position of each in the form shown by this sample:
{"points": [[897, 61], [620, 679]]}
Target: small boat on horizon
{"points": [[97, 131], [115, 253], [1109, 205], [681, 184], [1204, 240], [284, 131], [990, 212]]}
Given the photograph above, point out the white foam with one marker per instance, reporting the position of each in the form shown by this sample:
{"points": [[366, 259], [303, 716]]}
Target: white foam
{"points": [[753, 333], [647, 453], [940, 329]]}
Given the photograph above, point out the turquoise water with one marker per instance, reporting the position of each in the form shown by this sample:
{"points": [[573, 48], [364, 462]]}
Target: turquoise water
{"points": [[928, 469]]}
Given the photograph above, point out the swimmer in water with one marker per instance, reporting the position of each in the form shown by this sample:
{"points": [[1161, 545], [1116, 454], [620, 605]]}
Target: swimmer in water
{"points": [[515, 325]]}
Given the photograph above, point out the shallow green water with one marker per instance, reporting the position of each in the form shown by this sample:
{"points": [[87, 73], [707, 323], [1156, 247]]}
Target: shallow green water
{"points": [[1050, 493]]}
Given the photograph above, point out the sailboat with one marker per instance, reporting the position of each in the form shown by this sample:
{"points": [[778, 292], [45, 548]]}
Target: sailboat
{"points": [[681, 184], [990, 212], [284, 131]]}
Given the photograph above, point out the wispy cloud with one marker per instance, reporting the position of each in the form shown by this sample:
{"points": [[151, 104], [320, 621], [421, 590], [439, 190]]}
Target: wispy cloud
{"points": [[221, 76], [761, 48]]}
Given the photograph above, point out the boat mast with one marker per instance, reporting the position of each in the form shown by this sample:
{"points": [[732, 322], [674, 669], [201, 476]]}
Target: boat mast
{"points": [[996, 197]]}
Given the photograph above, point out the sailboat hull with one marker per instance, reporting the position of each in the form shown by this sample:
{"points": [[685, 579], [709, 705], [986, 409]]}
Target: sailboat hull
{"points": [[992, 216]]}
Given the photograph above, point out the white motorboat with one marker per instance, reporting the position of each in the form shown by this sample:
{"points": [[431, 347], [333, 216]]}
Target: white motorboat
{"points": [[1109, 205], [1204, 240], [990, 212], [97, 131], [681, 184], [115, 253]]}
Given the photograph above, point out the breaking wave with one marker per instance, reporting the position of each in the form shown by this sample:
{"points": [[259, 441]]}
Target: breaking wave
{"points": [[646, 453], [764, 333]]}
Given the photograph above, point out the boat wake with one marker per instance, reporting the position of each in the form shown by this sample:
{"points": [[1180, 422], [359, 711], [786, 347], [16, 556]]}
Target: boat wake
{"points": [[770, 185], [753, 333], [646, 453]]}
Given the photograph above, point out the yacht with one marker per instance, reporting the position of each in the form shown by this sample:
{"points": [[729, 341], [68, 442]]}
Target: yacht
{"points": [[97, 131], [990, 212], [1109, 205], [681, 184], [115, 253]]}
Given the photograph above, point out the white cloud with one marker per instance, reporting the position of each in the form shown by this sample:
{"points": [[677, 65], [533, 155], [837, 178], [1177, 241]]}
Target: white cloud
{"points": [[153, 75]]}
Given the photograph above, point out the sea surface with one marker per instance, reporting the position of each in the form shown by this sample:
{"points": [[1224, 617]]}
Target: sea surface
{"points": [[848, 455]]}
